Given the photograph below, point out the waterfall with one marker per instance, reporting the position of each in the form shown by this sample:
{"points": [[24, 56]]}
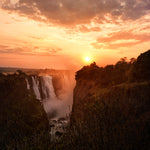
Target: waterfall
{"points": [[28, 85], [36, 87], [43, 87], [48, 89], [55, 93]]}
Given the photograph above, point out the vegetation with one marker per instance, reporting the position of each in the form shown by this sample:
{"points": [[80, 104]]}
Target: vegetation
{"points": [[110, 110], [115, 118], [121, 72], [106, 76], [141, 69], [23, 122], [114, 113]]}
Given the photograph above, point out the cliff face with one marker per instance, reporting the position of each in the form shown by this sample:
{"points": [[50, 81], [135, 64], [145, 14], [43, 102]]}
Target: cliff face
{"points": [[111, 117], [93, 80], [124, 94], [82, 91]]}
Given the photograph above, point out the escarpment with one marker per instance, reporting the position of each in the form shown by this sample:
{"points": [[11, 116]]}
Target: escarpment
{"points": [[110, 112]]}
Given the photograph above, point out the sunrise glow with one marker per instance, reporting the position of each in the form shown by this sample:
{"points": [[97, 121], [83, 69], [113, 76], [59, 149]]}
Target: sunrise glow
{"points": [[57, 34], [87, 59]]}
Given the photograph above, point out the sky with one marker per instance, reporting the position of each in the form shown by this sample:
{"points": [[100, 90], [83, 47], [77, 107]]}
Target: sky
{"points": [[60, 34]]}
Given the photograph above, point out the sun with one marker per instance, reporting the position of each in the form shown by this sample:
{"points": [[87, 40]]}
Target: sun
{"points": [[87, 59]]}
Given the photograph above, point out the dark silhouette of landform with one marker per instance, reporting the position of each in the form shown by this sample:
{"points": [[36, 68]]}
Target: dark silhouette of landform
{"points": [[110, 110]]}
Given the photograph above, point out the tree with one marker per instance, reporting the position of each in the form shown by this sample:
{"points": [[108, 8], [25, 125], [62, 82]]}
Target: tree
{"points": [[141, 68]]}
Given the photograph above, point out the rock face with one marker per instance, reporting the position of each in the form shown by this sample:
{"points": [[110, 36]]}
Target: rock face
{"points": [[115, 117], [88, 82], [82, 91], [121, 112]]}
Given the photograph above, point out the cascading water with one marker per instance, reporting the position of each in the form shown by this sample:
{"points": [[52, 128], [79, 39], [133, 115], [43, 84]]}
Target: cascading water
{"points": [[51, 102], [55, 105], [47, 88], [36, 87], [28, 85]]}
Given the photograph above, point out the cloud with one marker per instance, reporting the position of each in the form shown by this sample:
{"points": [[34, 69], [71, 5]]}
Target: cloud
{"points": [[36, 38], [77, 12], [84, 29], [29, 51], [120, 39]]}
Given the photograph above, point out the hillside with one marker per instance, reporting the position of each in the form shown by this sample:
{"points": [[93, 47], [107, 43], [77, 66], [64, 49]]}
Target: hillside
{"points": [[23, 122], [111, 107]]}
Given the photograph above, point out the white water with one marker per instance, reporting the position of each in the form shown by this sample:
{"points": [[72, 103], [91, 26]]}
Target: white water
{"points": [[55, 106], [60, 105], [47, 88], [36, 87], [28, 85]]}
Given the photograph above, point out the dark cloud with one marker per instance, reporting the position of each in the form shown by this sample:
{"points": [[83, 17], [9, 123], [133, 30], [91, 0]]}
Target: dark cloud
{"points": [[29, 51], [121, 39], [75, 12], [9, 49]]}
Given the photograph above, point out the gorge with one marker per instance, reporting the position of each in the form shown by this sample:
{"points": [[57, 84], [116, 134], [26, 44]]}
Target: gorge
{"points": [[55, 92], [107, 109]]}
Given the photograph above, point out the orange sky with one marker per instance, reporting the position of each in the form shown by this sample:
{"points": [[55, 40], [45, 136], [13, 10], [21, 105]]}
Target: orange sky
{"points": [[61, 33]]}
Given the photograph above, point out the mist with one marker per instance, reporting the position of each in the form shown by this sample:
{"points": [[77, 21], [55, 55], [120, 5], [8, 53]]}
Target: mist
{"points": [[54, 89]]}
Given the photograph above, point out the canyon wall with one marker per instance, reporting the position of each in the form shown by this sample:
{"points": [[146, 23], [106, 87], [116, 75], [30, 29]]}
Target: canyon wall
{"points": [[111, 116]]}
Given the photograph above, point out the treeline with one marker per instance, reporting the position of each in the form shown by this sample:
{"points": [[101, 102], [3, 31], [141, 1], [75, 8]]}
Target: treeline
{"points": [[121, 72]]}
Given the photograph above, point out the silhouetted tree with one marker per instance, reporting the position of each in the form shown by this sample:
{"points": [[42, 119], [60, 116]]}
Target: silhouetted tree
{"points": [[141, 68]]}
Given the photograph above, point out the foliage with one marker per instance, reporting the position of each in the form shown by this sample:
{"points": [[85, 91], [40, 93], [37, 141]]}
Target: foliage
{"points": [[113, 113], [106, 76], [110, 110], [141, 68], [115, 118], [121, 72], [23, 122]]}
